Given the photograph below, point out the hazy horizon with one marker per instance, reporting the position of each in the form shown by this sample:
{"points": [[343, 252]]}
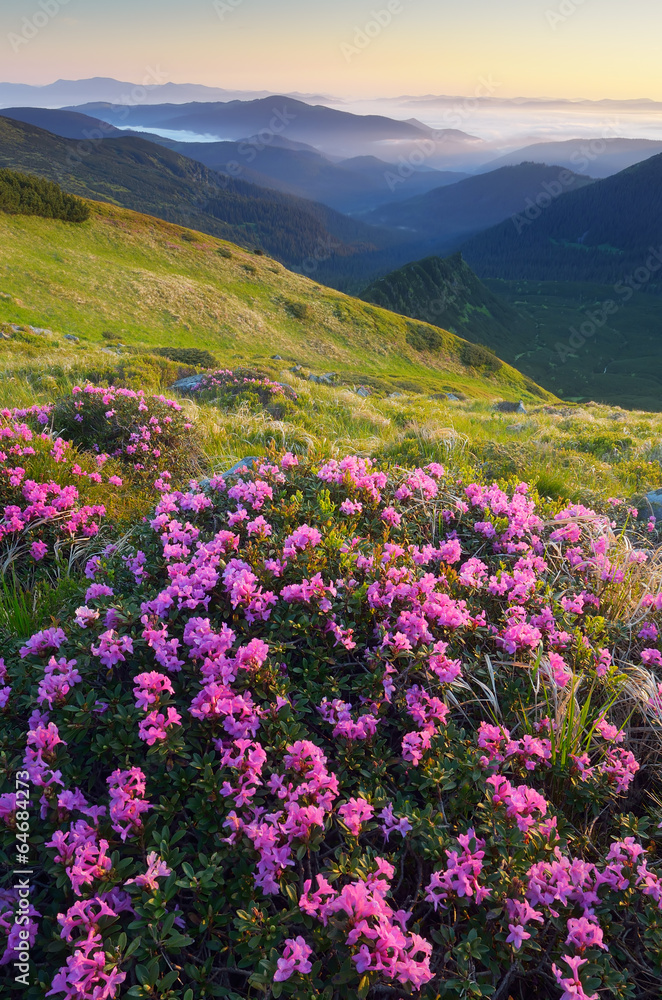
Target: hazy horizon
{"points": [[571, 49]]}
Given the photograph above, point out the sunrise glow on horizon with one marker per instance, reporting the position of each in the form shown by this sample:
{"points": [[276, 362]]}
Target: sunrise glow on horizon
{"points": [[552, 48]]}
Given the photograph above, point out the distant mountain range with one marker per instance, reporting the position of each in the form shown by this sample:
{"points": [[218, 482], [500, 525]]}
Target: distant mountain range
{"points": [[450, 215], [150, 91], [605, 232], [333, 132], [446, 293], [137, 174], [352, 186], [597, 157]]}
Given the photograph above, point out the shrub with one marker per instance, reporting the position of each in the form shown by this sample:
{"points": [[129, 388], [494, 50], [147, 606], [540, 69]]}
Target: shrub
{"points": [[24, 194], [145, 434], [479, 357], [135, 371], [422, 337], [189, 356], [340, 732], [232, 389], [298, 310]]}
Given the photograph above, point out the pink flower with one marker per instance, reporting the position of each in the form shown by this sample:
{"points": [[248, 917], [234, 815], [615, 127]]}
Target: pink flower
{"points": [[350, 507], [112, 647], [156, 868], [354, 812], [96, 590], [38, 550], [391, 517], [148, 687], [84, 616], [301, 539], [572, 987], [295, 958], [583, 933], [41, 642], [127, 802], [155, 725], [391, 824], [259, 527]]}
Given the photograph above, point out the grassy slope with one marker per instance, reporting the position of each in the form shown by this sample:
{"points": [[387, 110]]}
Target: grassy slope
{"points": [[146, 177], [139, 277], [136, 276], [446, 291]]}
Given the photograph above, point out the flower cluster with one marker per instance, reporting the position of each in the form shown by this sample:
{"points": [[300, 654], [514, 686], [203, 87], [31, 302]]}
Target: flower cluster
{"points": [[344, 727]]}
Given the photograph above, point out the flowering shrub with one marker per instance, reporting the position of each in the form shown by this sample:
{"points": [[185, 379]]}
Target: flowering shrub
{"points": [[147, 434], [229, 389], [299, 748]]}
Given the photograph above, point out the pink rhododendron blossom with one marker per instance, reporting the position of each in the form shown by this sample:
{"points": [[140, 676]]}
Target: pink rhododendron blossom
{"points": [[296, 954], [127, 801], [354, 813], [112, 647], [156, 869]]}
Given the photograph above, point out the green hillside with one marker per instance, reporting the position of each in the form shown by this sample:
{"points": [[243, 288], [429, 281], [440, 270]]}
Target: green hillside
{"points": [[153, 284], [124, 278], [445, 291], [146, 177]]}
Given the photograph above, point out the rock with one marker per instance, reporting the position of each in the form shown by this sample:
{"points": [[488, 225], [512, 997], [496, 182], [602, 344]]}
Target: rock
{"points": [[16, 328], [190, 382], [70, 336], [245, 463], [452, 397], [276, 357], [297, 368], [363, 391], [314, 378], [40, 331], [288, 388], [506, 407], [395, 395], [654, 501]]}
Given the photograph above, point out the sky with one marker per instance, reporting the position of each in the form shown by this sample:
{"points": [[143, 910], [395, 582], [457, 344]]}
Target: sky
{"points": [[350, 48]]}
